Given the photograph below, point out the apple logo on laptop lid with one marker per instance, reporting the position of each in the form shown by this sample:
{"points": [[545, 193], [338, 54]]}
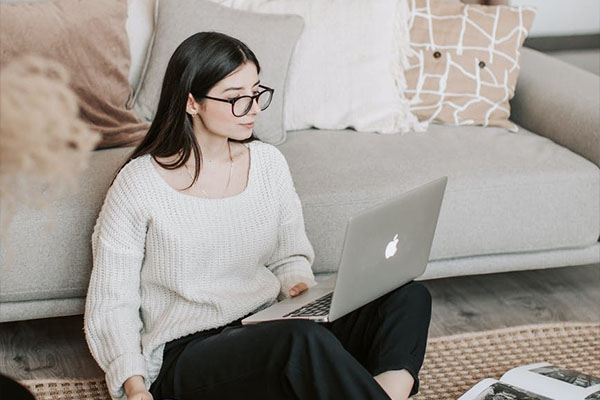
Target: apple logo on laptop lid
{"points": [[392, 247]]}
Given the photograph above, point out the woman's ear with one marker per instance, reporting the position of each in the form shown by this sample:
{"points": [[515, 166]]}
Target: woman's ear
{"points": [[192, 107]]}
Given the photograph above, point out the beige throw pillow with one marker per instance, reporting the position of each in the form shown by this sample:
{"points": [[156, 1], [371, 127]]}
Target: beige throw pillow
{"points": [[271, 37], [88, 37], [464, 61]]}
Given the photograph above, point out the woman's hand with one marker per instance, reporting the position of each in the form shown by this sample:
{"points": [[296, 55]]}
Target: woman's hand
{"points": [[136, 390], [298, 288]]}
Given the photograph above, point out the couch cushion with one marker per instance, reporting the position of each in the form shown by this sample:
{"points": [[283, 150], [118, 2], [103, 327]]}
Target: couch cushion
{"points": [[271, 38], [465, 60], [139, 26], [506, 192], [341, 77], [48, 254]]}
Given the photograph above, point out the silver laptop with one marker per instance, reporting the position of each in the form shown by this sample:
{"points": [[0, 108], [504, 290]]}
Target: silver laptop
{"points": [[385, 247]]}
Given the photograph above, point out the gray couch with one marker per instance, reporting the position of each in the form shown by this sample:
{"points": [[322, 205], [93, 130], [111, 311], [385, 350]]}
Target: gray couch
{"points": [[514, 201]]}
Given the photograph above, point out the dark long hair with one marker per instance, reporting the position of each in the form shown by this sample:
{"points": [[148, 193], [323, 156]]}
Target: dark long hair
{"points": [[197, 65]]}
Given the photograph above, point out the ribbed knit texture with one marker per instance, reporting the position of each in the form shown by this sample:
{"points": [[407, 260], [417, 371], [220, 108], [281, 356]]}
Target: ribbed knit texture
{"points": [[168, 264]]}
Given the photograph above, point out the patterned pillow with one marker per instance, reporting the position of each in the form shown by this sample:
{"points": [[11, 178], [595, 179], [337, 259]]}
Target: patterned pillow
{"points": [[464, 61]]}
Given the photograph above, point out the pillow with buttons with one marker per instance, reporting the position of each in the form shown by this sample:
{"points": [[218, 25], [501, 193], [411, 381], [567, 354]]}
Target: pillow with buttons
{"points": [[464, 61]]}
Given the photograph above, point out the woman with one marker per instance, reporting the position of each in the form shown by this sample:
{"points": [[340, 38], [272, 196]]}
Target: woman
{"points": [[203, 226]]}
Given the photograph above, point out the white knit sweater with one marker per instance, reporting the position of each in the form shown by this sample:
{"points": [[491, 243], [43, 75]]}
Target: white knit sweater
{"points": [[167, 264]]}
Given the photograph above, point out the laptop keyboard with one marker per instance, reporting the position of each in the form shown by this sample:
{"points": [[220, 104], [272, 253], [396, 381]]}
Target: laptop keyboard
{"points": [[315, 308]]}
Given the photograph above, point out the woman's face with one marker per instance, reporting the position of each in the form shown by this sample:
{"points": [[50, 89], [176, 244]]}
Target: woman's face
{"points": [[216, 117]]}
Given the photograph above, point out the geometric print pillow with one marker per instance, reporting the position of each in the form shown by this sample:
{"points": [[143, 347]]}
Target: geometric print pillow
{"points": [[464, 61]]}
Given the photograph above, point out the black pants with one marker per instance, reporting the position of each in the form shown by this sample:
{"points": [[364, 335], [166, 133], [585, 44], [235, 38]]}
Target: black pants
{"points": [[300, 359]]}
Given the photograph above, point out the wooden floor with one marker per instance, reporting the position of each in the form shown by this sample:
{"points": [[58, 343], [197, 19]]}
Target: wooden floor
{"points": [[56, 347], [482, 302]]}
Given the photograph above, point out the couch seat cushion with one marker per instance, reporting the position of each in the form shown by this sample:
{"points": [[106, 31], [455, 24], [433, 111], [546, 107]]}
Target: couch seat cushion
{"points": [[506, 193], [48, 253]]}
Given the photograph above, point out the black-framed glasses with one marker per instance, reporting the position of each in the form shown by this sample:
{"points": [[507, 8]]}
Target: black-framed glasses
{"points": [[241, 105]]}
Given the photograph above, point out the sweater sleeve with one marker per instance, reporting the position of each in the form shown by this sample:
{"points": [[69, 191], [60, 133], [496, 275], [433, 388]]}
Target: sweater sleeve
{"points": [[293, 257], [112, 322]]}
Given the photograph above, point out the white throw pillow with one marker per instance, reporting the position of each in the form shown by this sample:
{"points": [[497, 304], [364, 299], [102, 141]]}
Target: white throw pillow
{"points": [[347, 70]]}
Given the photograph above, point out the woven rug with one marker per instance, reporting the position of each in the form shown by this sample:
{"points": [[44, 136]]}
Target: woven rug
{"points": [[452, 364]]}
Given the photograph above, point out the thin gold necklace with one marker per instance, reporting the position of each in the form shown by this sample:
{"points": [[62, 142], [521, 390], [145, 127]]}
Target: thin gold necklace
{"points": [[228, 179]]}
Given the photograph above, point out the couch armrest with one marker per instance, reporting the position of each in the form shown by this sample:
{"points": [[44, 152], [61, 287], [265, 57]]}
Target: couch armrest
{"points": [[559, 101]]}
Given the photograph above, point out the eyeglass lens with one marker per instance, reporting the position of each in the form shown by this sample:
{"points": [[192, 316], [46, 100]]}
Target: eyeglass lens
{"points": [[244, 104]]}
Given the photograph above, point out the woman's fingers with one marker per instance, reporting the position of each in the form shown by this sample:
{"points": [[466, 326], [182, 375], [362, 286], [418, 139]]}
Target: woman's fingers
{"points": [[298, 288]]}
